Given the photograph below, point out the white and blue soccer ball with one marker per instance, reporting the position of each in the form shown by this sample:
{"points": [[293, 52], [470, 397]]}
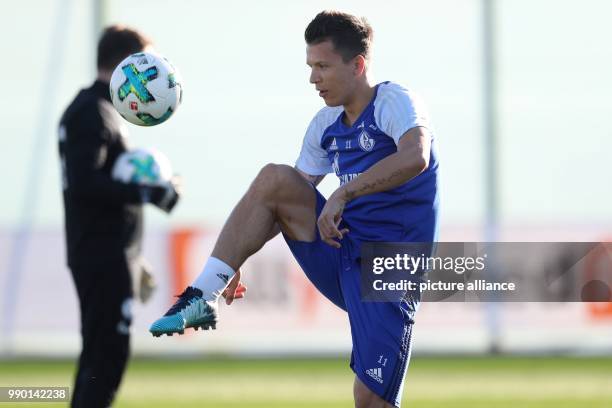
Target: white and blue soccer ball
{"points": [[144, 166], [146, 89]]}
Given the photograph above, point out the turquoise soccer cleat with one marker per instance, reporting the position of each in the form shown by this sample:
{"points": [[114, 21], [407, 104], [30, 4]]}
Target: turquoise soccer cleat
{"points": [[190, 310]]}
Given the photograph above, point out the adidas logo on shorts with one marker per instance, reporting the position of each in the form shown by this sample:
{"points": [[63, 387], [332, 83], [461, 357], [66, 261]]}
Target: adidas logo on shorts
{"points": [[375, 373]]}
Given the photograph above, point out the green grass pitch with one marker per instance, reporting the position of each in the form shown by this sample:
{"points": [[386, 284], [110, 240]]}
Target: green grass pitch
{"points": [[477, 382]]}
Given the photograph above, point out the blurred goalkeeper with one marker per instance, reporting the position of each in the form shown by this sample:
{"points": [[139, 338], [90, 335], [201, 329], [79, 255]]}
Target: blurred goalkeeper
{"points": [[104, 222]]}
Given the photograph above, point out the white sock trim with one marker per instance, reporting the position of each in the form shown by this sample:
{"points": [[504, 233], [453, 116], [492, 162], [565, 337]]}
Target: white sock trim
{"points": [[214, 278]]}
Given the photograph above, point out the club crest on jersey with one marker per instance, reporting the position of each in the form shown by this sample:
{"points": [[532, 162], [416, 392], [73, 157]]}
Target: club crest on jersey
{"points": [[366, 142]]}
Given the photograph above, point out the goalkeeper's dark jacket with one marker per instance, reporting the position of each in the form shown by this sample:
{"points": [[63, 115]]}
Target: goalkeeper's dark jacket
{"points": [[103, 217]]}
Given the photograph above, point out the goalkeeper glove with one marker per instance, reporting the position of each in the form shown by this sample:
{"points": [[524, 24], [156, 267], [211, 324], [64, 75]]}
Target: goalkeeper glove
{"points": [[164, 196]]}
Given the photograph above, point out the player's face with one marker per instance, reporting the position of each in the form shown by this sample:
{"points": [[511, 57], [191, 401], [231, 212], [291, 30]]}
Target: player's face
{"points": [[332, 77]]}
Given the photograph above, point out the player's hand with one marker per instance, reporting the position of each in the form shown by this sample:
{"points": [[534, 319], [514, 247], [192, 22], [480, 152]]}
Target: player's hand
{"points": [[235, 290], [165, 197], [330, 219]]}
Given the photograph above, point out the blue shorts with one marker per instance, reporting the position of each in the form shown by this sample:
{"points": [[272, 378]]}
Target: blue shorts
{"points": [[381, 331]]}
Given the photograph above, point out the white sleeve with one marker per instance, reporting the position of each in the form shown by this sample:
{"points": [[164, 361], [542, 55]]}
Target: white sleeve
{"points": [[313, 158], [397, 110]]}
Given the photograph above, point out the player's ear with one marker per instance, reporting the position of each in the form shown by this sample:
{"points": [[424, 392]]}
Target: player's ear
{"points": [[359, 65]]}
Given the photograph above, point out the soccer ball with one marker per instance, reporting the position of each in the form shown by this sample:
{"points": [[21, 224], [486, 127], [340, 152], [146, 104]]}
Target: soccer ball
{"points": [[146, 89], [142, 166]]}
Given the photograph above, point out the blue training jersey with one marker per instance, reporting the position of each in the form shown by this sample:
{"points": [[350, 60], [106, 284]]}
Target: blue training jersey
{"points": [[408, 213]]}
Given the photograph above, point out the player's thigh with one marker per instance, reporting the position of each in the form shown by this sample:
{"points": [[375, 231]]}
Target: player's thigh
{"points": [[293, 199]]}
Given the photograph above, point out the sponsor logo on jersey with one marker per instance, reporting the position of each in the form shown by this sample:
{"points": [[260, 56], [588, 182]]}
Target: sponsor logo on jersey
{"points": [[366, 142], [345, 178], [375, 373]]}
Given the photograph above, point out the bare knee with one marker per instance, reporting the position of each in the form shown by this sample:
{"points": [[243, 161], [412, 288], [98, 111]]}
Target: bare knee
{"points": [[290, 198], [277, 174], [273, 179], [366, 398]]}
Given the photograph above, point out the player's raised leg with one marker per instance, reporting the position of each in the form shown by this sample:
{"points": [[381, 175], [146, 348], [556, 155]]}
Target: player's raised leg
{"points": [[278, 199]]}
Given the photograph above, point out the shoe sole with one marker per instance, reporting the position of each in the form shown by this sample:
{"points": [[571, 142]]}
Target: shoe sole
{"points": [[196, 327]]}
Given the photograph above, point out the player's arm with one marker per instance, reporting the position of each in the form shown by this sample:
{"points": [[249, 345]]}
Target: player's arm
{"points": [[313, 163], [410, 160]]}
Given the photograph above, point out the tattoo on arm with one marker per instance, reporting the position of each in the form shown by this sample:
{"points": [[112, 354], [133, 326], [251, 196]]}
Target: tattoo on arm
{"points": [[373, 185], [413, 151]]}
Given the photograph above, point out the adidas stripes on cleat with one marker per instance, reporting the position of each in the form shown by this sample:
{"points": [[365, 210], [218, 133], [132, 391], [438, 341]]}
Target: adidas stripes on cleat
{"points": [[190, 310]]}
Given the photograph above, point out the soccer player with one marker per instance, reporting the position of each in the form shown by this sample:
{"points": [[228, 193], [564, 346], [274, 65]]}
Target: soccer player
{"points": [[377, 140], [103, 220]]}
